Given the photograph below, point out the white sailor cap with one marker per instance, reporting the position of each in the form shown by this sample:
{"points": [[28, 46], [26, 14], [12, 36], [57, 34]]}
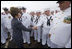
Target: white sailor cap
{"points": [[46, 9], [52, 10], [38, 11]]}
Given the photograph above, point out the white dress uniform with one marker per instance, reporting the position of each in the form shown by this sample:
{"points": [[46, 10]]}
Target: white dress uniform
{"points": [[46, 28], [35, 31], [32, 19], [26, 20], [48, 39], [37, 34], [60, 32], [8, 23], [3, 33]]}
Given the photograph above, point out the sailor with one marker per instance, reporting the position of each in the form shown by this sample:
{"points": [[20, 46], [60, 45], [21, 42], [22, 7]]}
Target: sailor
{"points": [[60, 33], [26, 21], [46, 23], [38, 14], [32, 14], [4, 17], [8, 22]]}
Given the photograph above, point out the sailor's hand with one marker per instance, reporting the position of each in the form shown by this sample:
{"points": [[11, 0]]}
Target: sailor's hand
{"points": [[34, 28]]}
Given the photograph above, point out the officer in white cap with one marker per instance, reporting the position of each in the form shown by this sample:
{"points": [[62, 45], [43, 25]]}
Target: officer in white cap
{"points": [[60, 33], [7, 20], [4, 35], [8, 23]]}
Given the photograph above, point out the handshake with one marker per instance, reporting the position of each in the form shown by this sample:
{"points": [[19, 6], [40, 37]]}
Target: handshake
{"points": [[34, 27]]}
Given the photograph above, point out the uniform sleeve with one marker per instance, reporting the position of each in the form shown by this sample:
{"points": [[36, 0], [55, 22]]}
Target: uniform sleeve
{"points": [[21, 26], [68, 45]]}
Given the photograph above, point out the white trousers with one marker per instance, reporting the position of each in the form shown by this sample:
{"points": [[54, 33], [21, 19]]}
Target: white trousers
{"points": [[26, 37], [4, 35], [45, 35], [35, 34], [39, 34], [3, 40]]}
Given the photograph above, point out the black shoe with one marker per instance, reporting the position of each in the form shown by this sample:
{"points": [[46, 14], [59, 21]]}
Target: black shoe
{"points": [[29, 44], [44, 46], [3, 43], [48, 47], [39, 42]]}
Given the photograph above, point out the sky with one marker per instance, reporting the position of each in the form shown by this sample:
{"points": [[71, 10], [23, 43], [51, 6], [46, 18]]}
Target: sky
{"points": [[30, 5]]}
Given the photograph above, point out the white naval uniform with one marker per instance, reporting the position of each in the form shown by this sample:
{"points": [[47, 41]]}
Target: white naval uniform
{"points": [[45, 28], [60, 32], [8, 23], [35, 31], [26, 21], [48, 39], [32, 32], [4, 35], [37, 34]]}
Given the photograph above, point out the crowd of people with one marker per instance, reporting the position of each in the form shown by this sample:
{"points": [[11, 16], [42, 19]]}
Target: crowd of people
{"points": [[50, 27]]}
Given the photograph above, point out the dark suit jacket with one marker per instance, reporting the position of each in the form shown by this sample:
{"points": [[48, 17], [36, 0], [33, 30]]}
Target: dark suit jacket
{"points": [[17, 27]]}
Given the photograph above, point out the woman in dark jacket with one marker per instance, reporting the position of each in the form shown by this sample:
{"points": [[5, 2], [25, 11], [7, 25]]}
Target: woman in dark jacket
{"points": [[17, 27]]}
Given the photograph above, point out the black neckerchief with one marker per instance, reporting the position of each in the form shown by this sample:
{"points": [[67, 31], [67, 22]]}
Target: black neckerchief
{"points": [[48, 21], [37, 19]]}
